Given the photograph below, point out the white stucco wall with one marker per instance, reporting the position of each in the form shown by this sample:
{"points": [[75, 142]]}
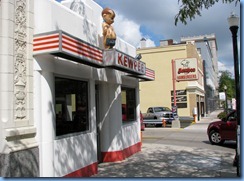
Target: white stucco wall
{"points": [[58, 156], [61, 156], [63, 153], [116, 135]]}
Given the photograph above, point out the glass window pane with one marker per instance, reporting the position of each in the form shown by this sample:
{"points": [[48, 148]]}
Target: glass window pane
{"points": [[128, 97], [71, 106]]}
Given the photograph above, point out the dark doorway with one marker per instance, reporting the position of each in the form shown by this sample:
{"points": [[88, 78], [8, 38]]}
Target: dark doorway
{"points": [[99, 155]]}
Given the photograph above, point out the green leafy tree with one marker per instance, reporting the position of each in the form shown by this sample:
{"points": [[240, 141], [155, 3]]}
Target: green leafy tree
{"points": [[227, 80], [190, 8]]}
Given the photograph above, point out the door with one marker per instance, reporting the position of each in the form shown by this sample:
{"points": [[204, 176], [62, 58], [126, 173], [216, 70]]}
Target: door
{"points": [[198, 111], [202, 109], [98, 125], [229, 126]]}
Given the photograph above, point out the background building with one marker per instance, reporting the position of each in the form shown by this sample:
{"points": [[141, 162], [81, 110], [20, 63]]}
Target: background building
{"points": [[190, 94], [207, 48]]}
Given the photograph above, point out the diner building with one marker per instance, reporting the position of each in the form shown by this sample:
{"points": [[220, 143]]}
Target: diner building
{"points": [[66, 103]]}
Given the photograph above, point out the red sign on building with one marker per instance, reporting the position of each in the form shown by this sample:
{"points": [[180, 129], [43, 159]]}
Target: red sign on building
{"points": [[186, 69]]}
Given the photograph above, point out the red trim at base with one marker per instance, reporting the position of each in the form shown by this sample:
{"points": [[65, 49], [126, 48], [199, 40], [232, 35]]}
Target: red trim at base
{"points": [[122, 154], [85, 172]]}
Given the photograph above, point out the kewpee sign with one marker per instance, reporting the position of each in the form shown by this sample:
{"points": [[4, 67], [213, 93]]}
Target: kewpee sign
{"points": [[186, 69]]}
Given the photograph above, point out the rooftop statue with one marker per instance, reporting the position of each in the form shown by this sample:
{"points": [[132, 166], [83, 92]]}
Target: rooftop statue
{"points": [[109, 36]]}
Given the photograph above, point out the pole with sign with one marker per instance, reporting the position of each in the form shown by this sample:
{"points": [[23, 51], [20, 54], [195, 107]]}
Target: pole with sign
{"points": [[173, 80], [176, 122]]}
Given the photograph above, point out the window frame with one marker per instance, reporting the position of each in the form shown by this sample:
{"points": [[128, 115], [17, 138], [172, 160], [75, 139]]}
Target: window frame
{"points": [[125, 88], [71, 134]]}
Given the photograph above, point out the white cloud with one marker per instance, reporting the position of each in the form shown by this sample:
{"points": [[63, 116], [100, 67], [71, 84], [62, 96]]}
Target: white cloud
{"points": [[157, 17], [129, 31], [223, 67], [150, 43]]}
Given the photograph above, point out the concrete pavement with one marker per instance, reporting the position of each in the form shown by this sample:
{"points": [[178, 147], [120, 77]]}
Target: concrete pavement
{"points": [[161, 159]]}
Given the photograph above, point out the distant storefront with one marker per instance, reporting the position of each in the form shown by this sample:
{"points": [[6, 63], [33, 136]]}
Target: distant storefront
{"points": [[179, 67]]}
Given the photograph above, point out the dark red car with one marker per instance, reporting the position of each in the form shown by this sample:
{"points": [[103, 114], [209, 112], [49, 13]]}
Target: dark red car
{"points": [[222, 130]]}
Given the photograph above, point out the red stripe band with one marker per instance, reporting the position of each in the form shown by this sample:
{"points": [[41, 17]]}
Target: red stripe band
{"points": [[45, 37], [46, 43], [79, 48], [81, 53], [78, 43], [46, 48]]}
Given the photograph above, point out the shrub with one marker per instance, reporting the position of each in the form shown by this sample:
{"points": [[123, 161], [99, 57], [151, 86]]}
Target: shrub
{"points": [[222, 115]]}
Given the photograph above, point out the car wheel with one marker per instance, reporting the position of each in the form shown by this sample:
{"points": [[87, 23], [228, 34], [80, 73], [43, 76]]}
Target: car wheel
{"points": [[215, 138]]}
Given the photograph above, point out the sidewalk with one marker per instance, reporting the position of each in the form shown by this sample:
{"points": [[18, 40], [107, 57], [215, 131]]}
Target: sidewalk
{"points": [[165, 160], [211, 116], [171, 161], [203, 123]]}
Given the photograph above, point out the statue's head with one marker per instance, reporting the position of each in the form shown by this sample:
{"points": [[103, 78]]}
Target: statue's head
{"points": [[108, 15]]}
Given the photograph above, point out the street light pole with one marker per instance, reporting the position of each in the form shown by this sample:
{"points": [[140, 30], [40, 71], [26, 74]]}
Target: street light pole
{"points": [[233, 21], [226, 107]]}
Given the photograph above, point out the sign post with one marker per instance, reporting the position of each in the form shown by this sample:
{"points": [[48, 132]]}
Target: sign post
{"points": [[176, 122]]}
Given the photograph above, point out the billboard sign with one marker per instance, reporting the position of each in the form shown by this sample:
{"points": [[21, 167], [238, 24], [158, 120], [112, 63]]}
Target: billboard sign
{"points": [[222, 96], [186, 69]]}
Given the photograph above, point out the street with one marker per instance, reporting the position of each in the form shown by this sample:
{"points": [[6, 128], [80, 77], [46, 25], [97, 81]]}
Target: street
{"points": [[188, 137], [170, 152]]}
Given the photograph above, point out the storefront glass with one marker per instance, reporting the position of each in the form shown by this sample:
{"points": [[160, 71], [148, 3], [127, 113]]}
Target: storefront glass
{"points": [[71, 106], [128, 104]]}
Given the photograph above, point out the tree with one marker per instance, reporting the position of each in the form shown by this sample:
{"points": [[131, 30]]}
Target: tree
{"points": [[227, 80], [190, 8]]}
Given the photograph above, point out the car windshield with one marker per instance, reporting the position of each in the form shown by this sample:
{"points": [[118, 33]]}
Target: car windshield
{"points": [[161, 109]]}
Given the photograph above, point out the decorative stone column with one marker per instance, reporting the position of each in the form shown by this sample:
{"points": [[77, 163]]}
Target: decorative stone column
{"points": [[20, 62], [18, 146]]}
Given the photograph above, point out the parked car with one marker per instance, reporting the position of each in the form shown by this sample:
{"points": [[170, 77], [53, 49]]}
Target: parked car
{"points": [[155, 115], [224, 129], [142, 122]]}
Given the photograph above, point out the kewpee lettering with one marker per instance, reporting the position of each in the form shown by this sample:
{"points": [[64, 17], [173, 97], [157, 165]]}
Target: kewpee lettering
{"points": [[130, 63]]}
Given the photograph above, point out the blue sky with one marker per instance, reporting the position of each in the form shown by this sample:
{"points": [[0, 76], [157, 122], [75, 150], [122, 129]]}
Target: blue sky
{"points": [[154, 20]]}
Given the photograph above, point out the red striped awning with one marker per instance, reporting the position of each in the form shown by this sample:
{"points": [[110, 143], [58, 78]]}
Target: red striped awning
{"points": [[149, 75], [63, 45]]}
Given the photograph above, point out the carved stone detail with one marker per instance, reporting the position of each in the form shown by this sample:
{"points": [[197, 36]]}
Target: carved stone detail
{"points": [[78, 6], [20, 43]]}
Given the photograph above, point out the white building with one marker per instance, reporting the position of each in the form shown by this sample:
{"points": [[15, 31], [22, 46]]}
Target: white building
{"points": [[207, 47], [53, 71]]}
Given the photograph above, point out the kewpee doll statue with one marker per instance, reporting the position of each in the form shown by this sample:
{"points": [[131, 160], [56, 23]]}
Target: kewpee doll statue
{"points": [[109, 36]]}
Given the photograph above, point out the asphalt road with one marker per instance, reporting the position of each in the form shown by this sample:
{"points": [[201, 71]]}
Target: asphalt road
{"points": [[196, 137]]}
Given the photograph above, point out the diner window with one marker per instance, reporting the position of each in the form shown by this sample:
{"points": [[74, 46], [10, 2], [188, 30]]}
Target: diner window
{"points": [[128, 97], [71, 106]]}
